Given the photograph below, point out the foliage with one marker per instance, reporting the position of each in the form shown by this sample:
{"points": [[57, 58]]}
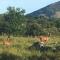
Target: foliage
{"points": [[15, 22]]}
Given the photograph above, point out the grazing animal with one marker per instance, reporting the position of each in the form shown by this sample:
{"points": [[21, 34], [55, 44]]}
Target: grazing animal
{"points": [[7, 42], [43, 38]]}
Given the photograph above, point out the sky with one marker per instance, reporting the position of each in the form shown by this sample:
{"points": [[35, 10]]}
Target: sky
{"points": [[28, 5]]}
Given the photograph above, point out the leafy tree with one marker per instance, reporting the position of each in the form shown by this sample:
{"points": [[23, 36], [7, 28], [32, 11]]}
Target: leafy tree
{"points": [[14, 17]]}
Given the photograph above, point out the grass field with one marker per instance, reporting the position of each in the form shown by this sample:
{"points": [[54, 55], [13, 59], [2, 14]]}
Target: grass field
{"points": [[20, 47]]}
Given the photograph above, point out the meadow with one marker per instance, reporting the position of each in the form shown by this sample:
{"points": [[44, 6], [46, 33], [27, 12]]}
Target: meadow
{"points": [[19, 49]]}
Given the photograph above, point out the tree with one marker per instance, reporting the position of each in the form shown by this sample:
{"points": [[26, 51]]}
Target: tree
{"points": [[14, 17], [32, 29]]}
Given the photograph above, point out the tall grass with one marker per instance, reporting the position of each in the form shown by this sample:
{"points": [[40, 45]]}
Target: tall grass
{"points": [[20, 47]]}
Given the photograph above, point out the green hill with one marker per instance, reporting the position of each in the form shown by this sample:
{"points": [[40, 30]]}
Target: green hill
{"points": [[52, 10]]}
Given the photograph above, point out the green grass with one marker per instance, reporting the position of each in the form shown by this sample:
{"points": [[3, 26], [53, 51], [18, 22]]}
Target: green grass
{"points": [[20, 46]]}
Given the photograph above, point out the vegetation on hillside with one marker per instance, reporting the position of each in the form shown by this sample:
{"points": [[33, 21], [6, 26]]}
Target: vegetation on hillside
{"points": [[15, 22], [48, 11]]}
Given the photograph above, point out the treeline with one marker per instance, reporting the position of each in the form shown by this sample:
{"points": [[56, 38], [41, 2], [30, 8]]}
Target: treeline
{"points": [[15, 22]]}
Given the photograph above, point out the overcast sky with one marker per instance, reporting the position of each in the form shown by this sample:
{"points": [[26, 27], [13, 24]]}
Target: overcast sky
{"points": [[28, 5]]}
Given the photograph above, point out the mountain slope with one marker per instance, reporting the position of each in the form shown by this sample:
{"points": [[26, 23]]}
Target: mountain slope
{"points": [[52, 10]]}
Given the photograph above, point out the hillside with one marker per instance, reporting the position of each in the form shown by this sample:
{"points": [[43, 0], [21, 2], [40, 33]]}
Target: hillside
{"points": [[52, 10]]}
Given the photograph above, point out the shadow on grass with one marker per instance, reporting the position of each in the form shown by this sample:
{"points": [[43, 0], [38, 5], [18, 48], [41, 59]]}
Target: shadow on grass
{"points": [[8, 56], [37, 46], [44, 56]]}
